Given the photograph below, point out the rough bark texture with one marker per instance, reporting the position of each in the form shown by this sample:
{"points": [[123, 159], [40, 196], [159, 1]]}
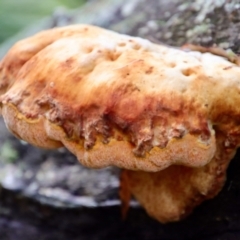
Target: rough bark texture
{"points": [[48, 195]]}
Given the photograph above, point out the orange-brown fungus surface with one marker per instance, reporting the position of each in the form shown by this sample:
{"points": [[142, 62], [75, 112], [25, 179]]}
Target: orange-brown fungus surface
{"points": [[170, 117]]}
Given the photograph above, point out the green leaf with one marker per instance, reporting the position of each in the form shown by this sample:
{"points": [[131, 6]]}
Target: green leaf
{"points": [[17, 14]]}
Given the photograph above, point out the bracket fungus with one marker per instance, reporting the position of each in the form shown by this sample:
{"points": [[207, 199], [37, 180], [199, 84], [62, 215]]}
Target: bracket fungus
{"points": [[169, 117]]}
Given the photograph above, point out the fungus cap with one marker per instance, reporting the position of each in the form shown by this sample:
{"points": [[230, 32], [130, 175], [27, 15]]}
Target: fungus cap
{"points": [[112, 99], [98, 92]]}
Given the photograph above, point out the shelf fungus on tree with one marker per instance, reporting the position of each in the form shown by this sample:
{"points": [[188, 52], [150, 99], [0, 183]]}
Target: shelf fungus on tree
{"points": [[169, 117]]}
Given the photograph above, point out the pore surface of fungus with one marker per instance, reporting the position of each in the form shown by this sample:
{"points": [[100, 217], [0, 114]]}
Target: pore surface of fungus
{"points": [[169, 116]]}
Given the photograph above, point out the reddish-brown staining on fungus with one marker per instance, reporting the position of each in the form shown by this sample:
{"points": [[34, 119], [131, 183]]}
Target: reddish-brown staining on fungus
{"points": [[68, 63], [77, 79], [115, 56], [187, 72], [43, 105], [26, 93], [149, 70], [177, 132]]}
